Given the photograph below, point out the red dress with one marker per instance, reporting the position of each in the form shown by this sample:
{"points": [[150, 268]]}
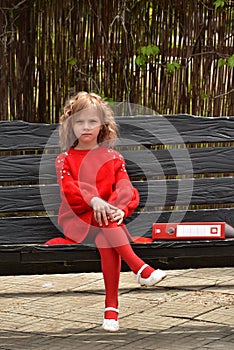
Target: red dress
{"points": [[84, 174]]}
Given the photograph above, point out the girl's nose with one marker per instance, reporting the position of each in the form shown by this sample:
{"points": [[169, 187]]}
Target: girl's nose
{"points": [[86, 126]]}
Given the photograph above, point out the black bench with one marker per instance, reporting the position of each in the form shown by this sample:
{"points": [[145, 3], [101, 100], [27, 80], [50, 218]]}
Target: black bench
{"points": [[183, 167]]}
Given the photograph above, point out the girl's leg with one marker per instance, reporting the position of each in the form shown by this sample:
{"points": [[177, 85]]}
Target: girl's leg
{"points": [[111, 265], [116, 237]]}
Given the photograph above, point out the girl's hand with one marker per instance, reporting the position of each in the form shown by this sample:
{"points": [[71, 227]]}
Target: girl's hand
{"points": [[117, 215], [102, 210]]}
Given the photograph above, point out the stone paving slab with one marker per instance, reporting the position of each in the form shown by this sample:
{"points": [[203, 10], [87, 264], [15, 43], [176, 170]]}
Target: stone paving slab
{"points": [[191, 309], [221, 315]]}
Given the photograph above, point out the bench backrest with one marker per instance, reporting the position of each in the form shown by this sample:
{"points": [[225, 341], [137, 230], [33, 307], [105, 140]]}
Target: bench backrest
{"points": [[183, 167]]}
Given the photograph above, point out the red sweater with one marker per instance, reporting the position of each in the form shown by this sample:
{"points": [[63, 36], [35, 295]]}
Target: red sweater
{"points": [[84, 174]]}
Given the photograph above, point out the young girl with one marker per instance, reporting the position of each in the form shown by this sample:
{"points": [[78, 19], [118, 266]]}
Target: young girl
{"points": [[97, 195]]}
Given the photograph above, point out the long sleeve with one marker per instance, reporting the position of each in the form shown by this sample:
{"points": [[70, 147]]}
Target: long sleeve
{"points": [[124, 196], [76, 194]]}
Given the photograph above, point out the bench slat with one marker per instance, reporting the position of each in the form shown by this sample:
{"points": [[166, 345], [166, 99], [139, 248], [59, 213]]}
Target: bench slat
{"points": [[34, 260], [205, 191], [150, 252], [175, 161], [26, 168], [204, 161], [154, 194], [35, 230], [27, 230], [32, 198], [170, 129], [22, 135]]}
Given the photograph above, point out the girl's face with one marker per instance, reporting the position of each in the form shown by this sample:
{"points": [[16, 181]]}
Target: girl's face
{"points": [[86, 127]]}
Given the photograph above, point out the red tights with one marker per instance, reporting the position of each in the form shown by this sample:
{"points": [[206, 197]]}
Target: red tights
{"points": [[113, 245]]}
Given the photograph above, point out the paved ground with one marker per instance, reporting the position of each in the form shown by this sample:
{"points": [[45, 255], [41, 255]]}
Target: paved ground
{"points": [[191, 309]]}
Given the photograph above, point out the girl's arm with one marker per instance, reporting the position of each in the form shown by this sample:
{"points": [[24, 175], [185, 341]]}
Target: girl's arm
{"points": [[124, 196], [78, 195]]}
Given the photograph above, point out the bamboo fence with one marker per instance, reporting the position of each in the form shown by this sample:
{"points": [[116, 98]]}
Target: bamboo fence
{"points": [[51, 49]]}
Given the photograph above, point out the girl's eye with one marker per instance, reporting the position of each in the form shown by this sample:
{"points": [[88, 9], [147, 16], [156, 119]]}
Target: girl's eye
{"points": [[91, 122]]}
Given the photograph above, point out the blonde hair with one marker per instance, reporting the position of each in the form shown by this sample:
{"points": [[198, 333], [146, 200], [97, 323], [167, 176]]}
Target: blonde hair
{"points": [[85, 100]]}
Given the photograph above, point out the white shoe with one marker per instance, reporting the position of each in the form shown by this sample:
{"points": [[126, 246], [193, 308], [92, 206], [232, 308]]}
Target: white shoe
{"points": [[110, 325], [155, 277]]}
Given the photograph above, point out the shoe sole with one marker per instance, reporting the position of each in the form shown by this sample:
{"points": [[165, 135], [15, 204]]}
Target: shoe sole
{"points": [[145, 285], [110, 330]]}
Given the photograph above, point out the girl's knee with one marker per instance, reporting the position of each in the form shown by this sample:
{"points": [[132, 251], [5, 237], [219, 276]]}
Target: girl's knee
{"points": [[113, 225]]}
